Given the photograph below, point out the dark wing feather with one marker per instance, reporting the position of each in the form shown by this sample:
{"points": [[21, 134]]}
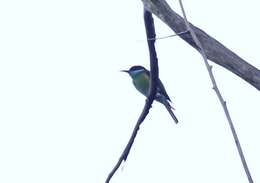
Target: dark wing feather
{"points": [[160, 87]]}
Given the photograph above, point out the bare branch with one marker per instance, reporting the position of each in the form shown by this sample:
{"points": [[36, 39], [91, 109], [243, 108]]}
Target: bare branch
{"points": [[150, 33], [173, 35], [215, 87], [214, 50]]}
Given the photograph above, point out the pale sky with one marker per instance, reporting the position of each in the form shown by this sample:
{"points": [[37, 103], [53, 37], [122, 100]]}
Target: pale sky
{"points": [[66, 112]]}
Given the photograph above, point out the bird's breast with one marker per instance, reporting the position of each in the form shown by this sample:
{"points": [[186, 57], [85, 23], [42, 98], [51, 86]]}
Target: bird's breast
{"points": [[141, 82]]}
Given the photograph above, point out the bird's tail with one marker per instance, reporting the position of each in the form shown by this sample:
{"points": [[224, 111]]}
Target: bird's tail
{"points": [[169, 109], [165, 102]]}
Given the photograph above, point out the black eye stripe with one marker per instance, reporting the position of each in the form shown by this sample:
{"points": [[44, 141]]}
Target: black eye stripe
{"points": [[137, 68], [136, 71]]}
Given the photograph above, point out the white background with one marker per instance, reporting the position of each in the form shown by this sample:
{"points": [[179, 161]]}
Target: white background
{"points": [[66, 112]]}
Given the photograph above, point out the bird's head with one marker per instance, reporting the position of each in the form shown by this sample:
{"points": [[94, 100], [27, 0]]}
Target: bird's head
{"points": [[134, 70]]}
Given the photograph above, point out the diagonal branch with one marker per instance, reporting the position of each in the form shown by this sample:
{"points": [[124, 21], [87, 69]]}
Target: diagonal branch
{"points": [[214, 50], [215, 87], [150, 33]]}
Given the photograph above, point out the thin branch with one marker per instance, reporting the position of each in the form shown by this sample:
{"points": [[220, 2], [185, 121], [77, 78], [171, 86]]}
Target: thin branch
{"points": [[150, 33], [223, 103], [214, 50], [173, 35]]}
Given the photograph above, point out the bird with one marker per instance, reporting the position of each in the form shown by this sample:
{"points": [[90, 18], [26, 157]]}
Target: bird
{"points": [[141, 80]]}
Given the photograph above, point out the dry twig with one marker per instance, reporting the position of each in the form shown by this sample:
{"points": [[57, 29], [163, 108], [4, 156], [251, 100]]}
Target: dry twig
{"points": [[215, 87]]}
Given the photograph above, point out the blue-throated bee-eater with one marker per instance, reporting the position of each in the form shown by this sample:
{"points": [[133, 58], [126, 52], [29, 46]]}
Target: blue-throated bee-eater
{"points": [[141, 81]]}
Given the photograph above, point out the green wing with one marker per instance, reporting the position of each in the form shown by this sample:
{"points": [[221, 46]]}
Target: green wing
{"points": [[162, 90], [141, 82]]}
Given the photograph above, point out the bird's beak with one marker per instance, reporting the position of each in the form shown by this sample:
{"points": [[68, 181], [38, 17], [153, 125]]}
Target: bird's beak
{"points": [[124, 71]]}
